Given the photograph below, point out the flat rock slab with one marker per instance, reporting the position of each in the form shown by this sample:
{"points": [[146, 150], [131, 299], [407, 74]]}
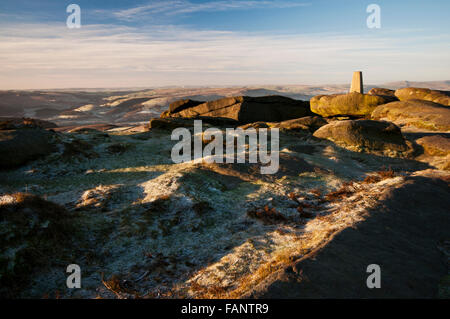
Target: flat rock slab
{"points": [[245, 109], [417, 113]]}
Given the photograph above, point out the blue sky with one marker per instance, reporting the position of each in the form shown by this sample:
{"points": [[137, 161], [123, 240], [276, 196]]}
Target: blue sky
{"points": [[248, 42]]}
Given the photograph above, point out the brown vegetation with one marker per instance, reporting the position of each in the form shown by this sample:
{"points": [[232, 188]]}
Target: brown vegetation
{"points": [[379, 176], [342, 192], [267, 215]]}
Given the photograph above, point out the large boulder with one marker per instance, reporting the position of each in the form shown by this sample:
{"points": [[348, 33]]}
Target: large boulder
{"points": [[436, 151], [387, 94], [441, 97], [180, 105], [417, 113], [20, 146], [307, 123], [247, 109], [377, 137], [435, 145], [352, 104], [170, 123]]}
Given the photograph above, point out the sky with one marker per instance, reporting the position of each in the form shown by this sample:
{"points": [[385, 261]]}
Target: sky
{"points": [[154, 43]]}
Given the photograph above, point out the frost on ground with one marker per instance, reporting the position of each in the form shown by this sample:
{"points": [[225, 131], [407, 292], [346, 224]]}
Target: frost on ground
{"points": [[145, 227]]}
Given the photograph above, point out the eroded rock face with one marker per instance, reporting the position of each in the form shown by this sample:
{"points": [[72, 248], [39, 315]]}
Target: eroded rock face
{"points": [[387, 94], [170, 123], [248, 109], [307, 123], [382, 91], [12, 123], [441, 97], [435, 145], [352, 104], [368, 136], [421, 114], [180, 105], [20, 146], [436, 151]]}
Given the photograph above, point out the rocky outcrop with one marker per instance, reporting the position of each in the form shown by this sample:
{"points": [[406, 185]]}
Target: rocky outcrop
{"points": [[435, 145], [388, 95], [12, 123], [367, 136], [436, 151], [382, 92], [181, 105], [307, 123], [20, 146], [441, 97], [246, 109], [170, 123], [420, 114], [352, 104]]}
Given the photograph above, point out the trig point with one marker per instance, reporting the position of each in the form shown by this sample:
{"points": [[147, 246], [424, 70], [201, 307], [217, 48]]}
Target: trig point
{"points": [[357, 83]]}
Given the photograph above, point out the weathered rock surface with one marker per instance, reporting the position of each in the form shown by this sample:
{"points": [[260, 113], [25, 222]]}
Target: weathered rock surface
{"points": [[180, 105], [170, 123], [441, 97], [11, 123], [435, 145], [352, 104], [249, 109], [387, 94], [421, 114], [307, 123], [382, 92], [436, 151], [20, 146], [365, 136]]}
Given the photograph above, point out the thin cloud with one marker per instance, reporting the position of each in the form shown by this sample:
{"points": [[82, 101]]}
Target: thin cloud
{"points": [[42, 55], [176, 7]]}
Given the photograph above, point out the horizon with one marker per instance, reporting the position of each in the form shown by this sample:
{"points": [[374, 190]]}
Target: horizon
{"points": [[212, 86], [154, 44]]}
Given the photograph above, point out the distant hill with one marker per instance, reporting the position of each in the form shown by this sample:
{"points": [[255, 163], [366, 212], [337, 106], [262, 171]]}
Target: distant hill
{"points": [[434, 85], [127, 106]]}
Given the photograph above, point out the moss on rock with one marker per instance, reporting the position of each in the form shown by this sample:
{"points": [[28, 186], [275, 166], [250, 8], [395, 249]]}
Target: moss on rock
{"points": [[352, 104]]}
